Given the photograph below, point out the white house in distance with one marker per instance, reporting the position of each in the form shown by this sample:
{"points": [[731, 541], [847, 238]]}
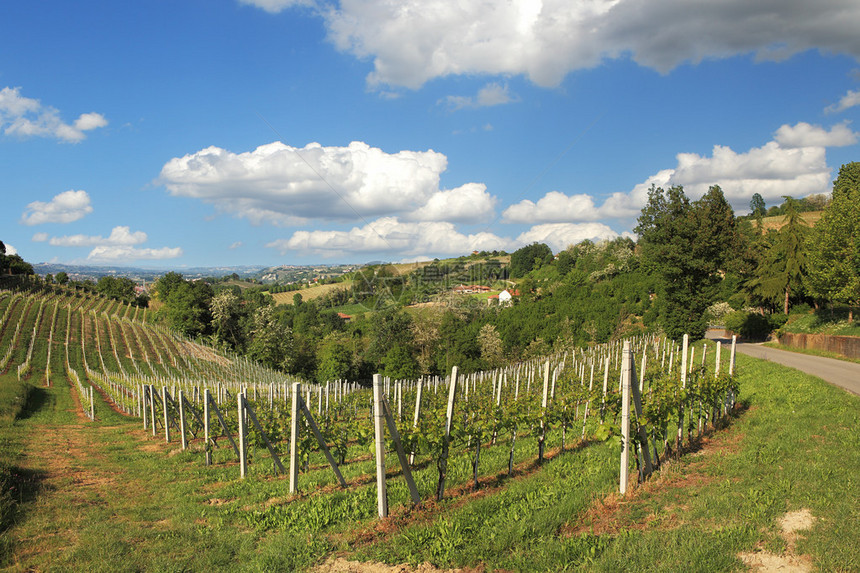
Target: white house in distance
{"points": [[505, 297]]}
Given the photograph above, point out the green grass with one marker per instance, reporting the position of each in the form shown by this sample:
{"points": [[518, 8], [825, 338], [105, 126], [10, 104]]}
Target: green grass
{"points": [[795, 446], [105, 496]]}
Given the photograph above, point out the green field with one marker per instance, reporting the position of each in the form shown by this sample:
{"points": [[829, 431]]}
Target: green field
{"points": [[106, 496]]}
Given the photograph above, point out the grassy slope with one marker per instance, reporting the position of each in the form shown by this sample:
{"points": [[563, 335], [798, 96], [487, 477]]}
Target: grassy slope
{"points": [[824, 322], [310, 293], [111, 498], [776, 223]]}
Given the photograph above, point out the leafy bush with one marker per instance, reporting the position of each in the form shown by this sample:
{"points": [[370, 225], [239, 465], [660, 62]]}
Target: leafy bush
{"points": [[718, 311], [753, 325], [801, 309]]}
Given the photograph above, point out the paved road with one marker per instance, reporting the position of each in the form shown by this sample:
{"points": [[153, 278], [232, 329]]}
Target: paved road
{"points": [[838, 372]]}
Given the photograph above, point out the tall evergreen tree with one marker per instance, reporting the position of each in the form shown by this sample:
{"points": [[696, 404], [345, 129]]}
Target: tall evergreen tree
{"points": [[782, 268], [834, 247]]}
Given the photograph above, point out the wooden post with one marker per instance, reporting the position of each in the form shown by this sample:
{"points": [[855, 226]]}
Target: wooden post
{"points": [[379, 437], [625, 418], [294, 436], [243, 438], [92, 405]]}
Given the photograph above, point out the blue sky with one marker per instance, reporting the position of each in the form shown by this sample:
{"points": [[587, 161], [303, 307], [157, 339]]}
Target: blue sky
{"points": [[189, 133]]}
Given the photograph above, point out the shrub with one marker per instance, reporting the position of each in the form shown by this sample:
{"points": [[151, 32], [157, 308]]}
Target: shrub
{"points": [[750, 324]]}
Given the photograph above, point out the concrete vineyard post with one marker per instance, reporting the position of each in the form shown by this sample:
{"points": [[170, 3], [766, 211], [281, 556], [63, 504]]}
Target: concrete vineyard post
{"points": [[206, 398], [379, 452], [166, 414], [717, 360], [243, 439], [294, 434], [684, 347], [182, 421], [152, 408], [625, 418], [416, 415], [542, 435], [446, 439]]}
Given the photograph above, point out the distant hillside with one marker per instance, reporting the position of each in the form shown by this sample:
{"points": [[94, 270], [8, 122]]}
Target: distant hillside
{"points": [[310, 293], [776, 223]]}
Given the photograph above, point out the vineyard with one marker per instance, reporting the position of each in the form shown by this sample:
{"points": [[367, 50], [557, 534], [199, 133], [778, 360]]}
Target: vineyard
{"points": [[176, 455], [446, 432]]}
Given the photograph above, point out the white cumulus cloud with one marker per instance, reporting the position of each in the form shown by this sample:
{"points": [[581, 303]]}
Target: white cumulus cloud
{"points": [[413, 41], [26, 117], [793, 163], [490, 95], [280, 184], [120, 246], [119, 236], [558, 236], [65, 207], [806, 135], [389, 235], [124, 253], [849, 100], [275, 6], [469, 203]]}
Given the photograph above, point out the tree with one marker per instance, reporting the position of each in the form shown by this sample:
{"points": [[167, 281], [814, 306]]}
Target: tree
{"points": [[335, 359], [528, 258], [492, 351], [784, 264], [62, 278], [847, 180], [121, 288], [389, 329], [226, 313], [271, 340], [834, 248], [399, 363], [757, 206], [566, 261], [686, 245], [165, 285], [187, 307]]}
